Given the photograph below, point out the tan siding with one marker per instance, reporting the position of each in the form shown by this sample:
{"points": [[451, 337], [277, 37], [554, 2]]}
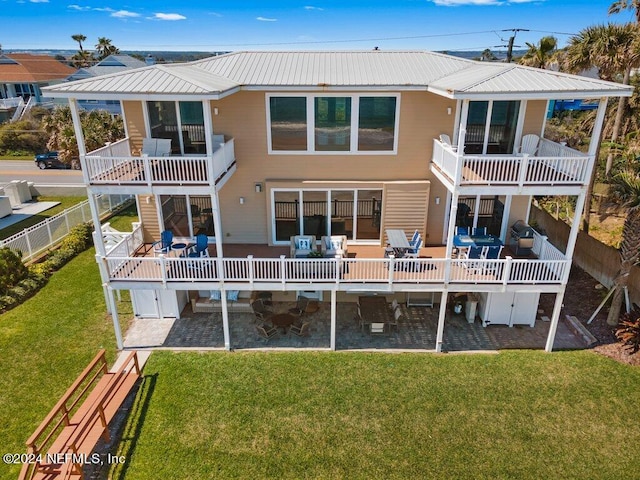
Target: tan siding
{"points": [[519, 207], [135, 123], [149, 218], [534, 118], [423, 116], [405, 206]]}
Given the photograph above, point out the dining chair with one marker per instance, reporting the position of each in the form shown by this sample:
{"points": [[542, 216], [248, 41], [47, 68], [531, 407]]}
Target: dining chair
{"points": [[267, 330], [415, 250], [477, 231], [201, 248], [462, 230], [301, 306], [163, 246], [377, 327], [260, 311], [300, 330]]}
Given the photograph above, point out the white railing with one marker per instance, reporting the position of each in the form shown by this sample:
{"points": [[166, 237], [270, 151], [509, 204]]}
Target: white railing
{"points": [[124, 243], [554, 164], [114, 165], [342, 272], [10, 102], [38, 238]]}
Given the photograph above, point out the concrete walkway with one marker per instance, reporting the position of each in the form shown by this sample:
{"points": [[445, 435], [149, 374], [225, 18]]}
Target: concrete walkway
{"points": [[417, 332]]}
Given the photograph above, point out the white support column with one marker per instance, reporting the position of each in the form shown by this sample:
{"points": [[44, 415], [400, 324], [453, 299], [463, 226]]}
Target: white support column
{"points": [[208, 127], [333, 319], [555, 317], [114, 317], [217, 223], [575, 226], [504, 226], [95, 216], [77, 126], [441, 315], [453, 213], [225, 319], [597, 128]]}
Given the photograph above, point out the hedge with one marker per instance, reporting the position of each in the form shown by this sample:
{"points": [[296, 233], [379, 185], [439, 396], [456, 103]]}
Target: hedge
{"points": [[77, 241]]}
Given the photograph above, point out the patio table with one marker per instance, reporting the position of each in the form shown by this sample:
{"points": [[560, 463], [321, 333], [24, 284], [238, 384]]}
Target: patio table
{"points": [[373, 309], [283, 320], [398, 241]]}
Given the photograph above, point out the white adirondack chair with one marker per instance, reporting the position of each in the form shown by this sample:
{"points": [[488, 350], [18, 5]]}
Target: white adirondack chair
{"points": [[529, 144]]}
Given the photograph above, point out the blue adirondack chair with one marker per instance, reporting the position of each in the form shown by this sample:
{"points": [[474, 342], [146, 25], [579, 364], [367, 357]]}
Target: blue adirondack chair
{"points": [[164, 244], [200, 249]]}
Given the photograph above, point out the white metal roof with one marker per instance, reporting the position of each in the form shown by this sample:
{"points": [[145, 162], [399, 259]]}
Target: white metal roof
{"points": [[353, 70]]}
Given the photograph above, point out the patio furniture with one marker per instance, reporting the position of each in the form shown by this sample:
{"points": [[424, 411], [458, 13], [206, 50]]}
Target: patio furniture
{"points": [[261, 312], [301, 306], [477, 231], [373, 309], [200, 249], [529, 145], [462, 231], [394, 321], [472, 253], [266, 330], [163, 246], [283, 320], [302, 245], [492, 252], [333, 246], [446, 141], [301, 330], [156, 147], [414, 238], [377, 328], [414, 251]]}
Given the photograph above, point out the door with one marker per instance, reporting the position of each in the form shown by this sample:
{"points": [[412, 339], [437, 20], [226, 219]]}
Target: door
{"points": [[491, 127]]}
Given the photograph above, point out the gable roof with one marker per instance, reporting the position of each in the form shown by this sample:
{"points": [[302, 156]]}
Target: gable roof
{"points": [[27, 68], [445, 75]]}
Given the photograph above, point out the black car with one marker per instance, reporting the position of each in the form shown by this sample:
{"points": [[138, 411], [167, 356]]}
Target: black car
{"points": [[49, 160]]}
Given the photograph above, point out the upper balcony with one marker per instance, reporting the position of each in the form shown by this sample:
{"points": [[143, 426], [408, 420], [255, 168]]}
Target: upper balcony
{"points": [[115, 165], [553, 164]]}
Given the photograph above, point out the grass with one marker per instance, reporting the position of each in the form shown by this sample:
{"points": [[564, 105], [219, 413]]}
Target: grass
{"points": [[357, 415], [16, 157], [44, 345], [123, 220], [65, 202]]}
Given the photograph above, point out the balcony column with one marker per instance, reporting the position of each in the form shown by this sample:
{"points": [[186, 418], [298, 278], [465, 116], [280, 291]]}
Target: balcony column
{"points": [[555, 317], [333, 319], [225, 319], [441, 316], [114, 317], [453, 213], [217, 223], [208, 129]]}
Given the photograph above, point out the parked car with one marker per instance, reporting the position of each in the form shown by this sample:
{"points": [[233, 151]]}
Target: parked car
{"points": [[51, 160]]}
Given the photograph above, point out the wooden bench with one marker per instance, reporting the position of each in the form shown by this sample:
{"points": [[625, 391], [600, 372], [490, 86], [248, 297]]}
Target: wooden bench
{"points": [[81, 417]]}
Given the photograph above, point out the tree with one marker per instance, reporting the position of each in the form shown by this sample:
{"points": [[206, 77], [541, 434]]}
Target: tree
{"points": [[82, 59], [487, 55], [624, 194], [99, 127], [78, 37], [619, 5], [615, 50], [104, 48], [538, 55]]}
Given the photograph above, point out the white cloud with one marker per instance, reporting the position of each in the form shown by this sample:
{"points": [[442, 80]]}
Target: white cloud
{"points": [[125, 14], [169, 16], [265, 19], [457, 3], [310, 7], [78, 7], [39, 1]]}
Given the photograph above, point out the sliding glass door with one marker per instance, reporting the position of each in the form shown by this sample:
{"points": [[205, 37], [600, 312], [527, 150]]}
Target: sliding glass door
{"points": [[351, 212], [187, 215], [491, 127]]}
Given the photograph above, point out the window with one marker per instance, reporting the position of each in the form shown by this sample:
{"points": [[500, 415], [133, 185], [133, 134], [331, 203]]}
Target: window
{"points": [[376, 125], [491, 127], [332, 123], [288, 123]]}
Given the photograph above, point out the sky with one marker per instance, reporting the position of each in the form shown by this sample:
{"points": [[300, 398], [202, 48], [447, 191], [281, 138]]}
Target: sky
{"points": [[200, 25]]}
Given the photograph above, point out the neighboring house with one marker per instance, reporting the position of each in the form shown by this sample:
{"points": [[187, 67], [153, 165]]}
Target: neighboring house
{"points": [[23, 75], [267, 145], [108, 65]]}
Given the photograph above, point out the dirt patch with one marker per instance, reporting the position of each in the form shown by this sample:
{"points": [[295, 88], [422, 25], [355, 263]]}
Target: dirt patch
{"points": [[581, 299]]}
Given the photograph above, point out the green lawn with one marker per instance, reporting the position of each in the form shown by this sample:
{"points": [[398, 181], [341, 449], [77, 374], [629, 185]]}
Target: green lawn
{"points": [[44, 345], [65, 202], [357, 415]]}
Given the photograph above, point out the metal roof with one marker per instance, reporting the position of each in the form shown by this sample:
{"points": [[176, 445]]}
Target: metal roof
{"points": [[308, 70]]}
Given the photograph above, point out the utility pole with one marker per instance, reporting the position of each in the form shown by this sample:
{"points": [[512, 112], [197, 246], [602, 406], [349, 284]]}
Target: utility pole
{"points": [[512, 39]]}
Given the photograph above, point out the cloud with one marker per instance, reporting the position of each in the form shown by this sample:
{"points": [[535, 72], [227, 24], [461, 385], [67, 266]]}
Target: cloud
{"points": [[84, 9], [39, 1], [481, 3], [310, 7], [265, 19], [78, 7], [169, 16], [125, 14]]}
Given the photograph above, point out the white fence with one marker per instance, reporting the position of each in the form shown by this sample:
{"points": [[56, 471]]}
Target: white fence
{"points": [[38, 238]]}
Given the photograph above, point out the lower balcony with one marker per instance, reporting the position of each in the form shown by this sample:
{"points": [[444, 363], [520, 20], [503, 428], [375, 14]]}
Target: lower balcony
{"points": [[260, 267]]}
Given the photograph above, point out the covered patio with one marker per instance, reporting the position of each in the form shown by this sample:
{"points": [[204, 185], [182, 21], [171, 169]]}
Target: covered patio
{"points": [[417, 332]]}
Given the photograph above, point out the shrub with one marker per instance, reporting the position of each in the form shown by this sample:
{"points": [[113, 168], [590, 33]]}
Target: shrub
{"points": [[12, 269], [628, 331], [36, 276]]}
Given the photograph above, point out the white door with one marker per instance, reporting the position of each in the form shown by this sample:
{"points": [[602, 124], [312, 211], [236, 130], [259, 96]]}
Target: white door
{"points": [[145, 303]]}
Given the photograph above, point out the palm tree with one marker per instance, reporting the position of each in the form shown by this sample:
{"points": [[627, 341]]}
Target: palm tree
{"points": [[619, 5], [78, 37], [538, 55], [104, 48], [82, 59], [625, 195], [615, 50]]}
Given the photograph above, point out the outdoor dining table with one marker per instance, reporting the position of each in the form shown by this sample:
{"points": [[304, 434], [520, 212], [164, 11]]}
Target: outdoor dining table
{"points": [[373, 309], [466, 241], [397, 240], [283, 320]]}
